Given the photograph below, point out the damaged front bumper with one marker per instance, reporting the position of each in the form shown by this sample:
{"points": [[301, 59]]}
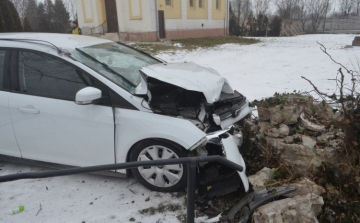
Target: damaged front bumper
{"points": [[230, 147], [228, 116], [232, 153]]}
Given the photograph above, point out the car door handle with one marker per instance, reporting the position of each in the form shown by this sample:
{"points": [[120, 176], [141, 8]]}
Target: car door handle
{"points": [[28, 110]]}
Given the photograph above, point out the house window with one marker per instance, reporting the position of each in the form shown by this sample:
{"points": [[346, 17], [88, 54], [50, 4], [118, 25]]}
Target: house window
{"points": [[200, 3], [191, 3], [168, 2], [218, 4]]}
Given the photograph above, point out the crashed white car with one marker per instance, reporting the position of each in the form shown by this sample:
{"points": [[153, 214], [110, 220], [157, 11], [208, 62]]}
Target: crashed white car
{"points": [[69, 100]]}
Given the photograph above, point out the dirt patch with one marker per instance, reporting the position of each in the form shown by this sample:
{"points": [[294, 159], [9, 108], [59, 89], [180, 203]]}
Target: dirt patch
{"points": [[161, 209]]}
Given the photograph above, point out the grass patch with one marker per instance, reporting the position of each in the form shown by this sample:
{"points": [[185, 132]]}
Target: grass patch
{"points": [[192, 44], [161, 209], [213, 41]]}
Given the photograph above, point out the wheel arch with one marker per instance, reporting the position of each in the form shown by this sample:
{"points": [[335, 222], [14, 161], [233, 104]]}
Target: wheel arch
{"points": [[128, 171], [149, 139]]}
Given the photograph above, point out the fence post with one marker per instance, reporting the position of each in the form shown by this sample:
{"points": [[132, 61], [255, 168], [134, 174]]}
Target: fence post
{"points": [[191, 185]]}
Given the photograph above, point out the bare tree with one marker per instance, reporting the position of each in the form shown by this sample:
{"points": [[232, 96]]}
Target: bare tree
{"points": [[260, 6], [71, 8], [301, 12], [357, 5], [346, 7], [260, 9], [317, 10], [237, 8], [246, 10], [242, 9], [286, 8], [326, 12]]}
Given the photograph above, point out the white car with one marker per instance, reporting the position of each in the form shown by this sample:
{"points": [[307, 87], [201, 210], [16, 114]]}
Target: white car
{"points": [[82, 101]]}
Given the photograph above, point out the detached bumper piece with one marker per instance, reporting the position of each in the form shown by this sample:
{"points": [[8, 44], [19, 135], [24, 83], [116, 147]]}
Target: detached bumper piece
{"points": [[229, 145], [250, 202]]}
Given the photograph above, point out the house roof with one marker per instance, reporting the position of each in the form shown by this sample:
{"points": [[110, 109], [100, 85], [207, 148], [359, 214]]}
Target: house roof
{"points": [[62, 41]]}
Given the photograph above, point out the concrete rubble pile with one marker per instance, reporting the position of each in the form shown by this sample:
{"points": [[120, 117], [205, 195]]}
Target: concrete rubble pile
{"points": [[302, 133]]}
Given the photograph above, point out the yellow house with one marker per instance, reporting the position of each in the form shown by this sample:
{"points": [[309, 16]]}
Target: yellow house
{"points": [[153, 20]]}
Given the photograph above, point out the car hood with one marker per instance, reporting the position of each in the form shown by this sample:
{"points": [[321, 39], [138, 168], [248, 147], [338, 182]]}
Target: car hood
{"points": [[191, 76]]}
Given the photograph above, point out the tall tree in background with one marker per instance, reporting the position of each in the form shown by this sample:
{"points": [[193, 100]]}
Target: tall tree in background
{"points": [[346, 7], [2, 21], [260, 8], [10, 21], [286, 8], [237, 8], [246, 11], [49, 15], [61, 17], [70, 6], [43, 22], [234, 28], [275, 26], [15, 15], [27, 26], [30, 14], [20, 6], [317, 10], [301, 12]]}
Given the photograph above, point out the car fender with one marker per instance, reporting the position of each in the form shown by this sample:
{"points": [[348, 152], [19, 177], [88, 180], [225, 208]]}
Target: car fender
{"points": [[133, 126]]}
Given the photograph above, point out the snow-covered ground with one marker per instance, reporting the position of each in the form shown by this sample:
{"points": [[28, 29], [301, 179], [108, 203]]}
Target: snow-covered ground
{"points": [[273, 65]]}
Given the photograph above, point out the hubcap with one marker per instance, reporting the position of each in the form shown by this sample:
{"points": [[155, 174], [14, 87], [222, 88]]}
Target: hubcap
{"points": [[160, 176]]}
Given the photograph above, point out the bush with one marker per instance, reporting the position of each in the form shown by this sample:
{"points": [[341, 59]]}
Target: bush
{"points": [[275, 26]]}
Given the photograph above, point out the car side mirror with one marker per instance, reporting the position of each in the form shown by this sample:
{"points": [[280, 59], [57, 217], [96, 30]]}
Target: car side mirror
{"points": [[142, 88], [87, 96]]}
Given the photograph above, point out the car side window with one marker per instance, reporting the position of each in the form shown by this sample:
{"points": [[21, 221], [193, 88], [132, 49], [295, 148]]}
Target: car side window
{"points": [[47, 76], [2, 66]]}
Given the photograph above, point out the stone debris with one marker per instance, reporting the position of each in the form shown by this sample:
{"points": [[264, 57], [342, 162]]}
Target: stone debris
{"points": [[311, 126], [301, 133], [259, 179], [299, 209], [308, 142], [304, 187]]}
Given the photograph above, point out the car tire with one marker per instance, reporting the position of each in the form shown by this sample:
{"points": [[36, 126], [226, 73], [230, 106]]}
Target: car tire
{"points": [[168, 178]]}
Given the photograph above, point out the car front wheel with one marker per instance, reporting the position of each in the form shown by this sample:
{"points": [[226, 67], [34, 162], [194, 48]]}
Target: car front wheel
{"points": [[167, 178]]}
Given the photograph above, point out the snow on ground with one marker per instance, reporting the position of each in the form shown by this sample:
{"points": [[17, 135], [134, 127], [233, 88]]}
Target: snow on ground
{"points": [[274, 65]]}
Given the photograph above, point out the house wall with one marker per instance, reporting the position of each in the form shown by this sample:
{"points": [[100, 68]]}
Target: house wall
{"points": [[137, 19], [219, 13], [135, 27], [91, 13], [195, 21], [173, 11]]}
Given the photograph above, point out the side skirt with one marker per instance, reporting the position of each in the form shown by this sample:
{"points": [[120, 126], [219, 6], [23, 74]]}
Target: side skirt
{"points": [[16, 160]]}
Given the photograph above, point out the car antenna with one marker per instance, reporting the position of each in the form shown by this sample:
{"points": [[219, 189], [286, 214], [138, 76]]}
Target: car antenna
{"points": [[36, 40]]}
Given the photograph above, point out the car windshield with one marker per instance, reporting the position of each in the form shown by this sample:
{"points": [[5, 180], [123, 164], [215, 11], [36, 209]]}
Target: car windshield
{"points": [[117, 62]]}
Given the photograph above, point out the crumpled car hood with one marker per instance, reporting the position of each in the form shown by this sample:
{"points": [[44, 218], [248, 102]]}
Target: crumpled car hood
{"points": [[191, 76]]}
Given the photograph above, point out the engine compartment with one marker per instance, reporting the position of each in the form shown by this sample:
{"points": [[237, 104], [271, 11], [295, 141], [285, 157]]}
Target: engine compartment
{"points": [[168, 99]]}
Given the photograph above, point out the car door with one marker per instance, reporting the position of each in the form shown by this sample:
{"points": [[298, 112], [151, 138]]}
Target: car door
{"points": [[48, 125], [8, 145]]}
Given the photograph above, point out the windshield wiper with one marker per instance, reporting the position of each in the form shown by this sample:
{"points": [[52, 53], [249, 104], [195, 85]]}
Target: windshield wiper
{"points": [[106, 66]]}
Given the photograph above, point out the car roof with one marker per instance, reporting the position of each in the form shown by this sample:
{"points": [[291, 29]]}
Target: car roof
{"points": [[62, 41]]}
